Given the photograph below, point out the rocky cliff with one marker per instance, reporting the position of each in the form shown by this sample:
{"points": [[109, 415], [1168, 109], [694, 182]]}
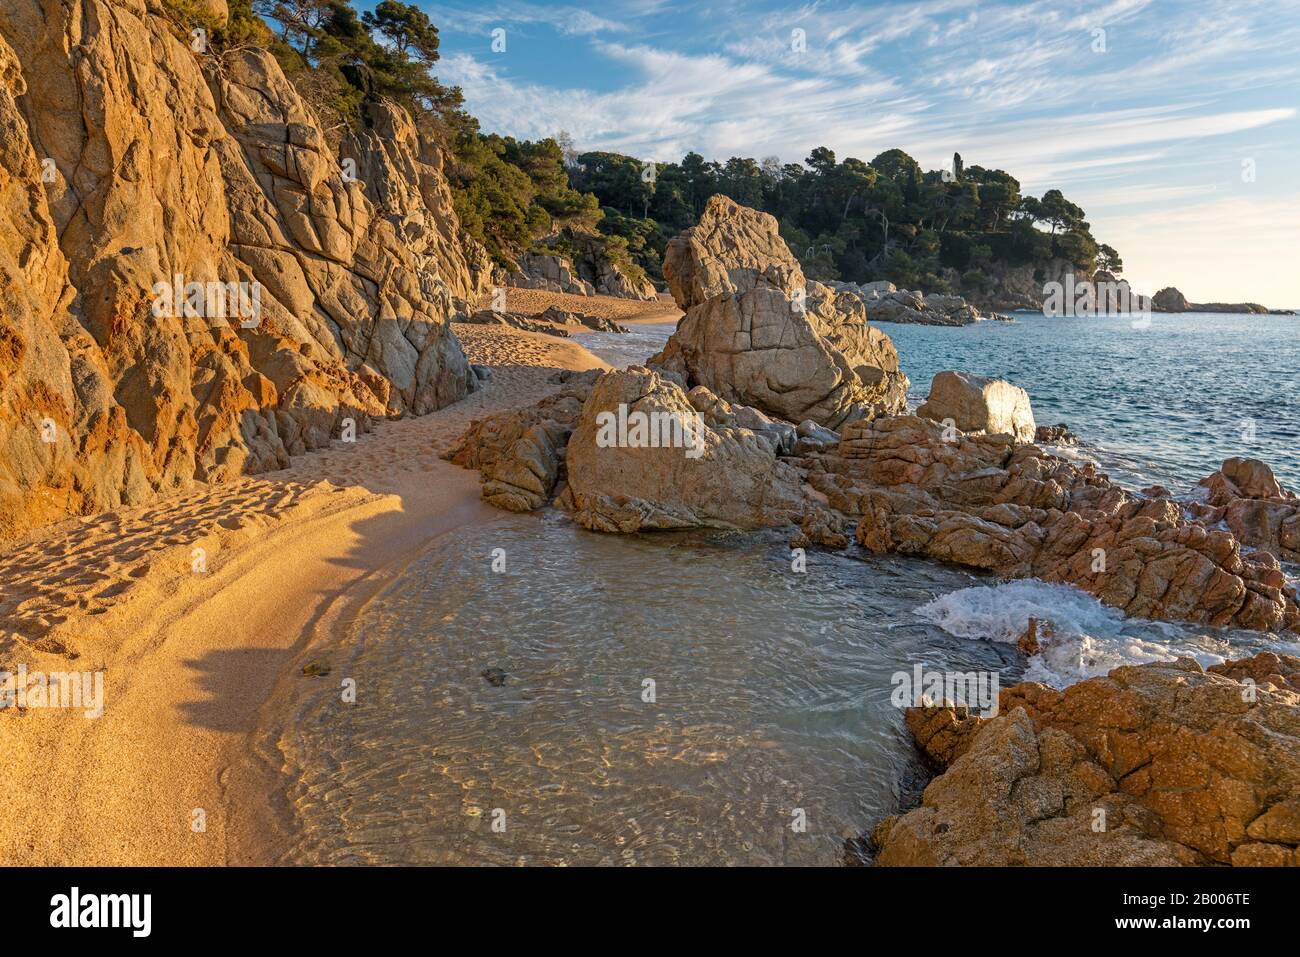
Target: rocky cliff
{"points": [[590, 271], [193, 284], [1013, 287]]}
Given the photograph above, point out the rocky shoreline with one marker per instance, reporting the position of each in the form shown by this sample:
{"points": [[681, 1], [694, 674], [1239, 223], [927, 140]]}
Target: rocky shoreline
{"points": [[802, 419], [793, 416], [1155, 765], [211, 172], [886, 303]]}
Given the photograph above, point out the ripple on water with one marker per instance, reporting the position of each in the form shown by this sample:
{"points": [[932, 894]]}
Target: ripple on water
{"points": [[772, 689], [772, 693]]}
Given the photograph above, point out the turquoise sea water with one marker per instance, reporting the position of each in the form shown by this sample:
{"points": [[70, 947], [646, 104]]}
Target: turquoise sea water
{"points": [[771, 687]]}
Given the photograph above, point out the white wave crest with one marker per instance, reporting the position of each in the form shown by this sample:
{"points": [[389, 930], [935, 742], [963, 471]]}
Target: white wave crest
{"points": [[1078, 636]]}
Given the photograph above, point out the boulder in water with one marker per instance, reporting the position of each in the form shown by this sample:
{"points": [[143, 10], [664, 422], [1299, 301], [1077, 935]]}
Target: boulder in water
{"points": [[644, 457], [1246, 496]]}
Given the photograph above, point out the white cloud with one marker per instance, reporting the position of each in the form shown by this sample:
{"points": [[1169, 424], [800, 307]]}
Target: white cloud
{"points": [[1157, 121]]}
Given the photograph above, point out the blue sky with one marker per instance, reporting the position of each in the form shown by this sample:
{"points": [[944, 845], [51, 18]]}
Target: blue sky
{"points": [[1152, 135]]}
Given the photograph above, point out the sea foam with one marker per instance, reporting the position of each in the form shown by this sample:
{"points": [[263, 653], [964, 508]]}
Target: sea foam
{"points": [[1079, 637]]}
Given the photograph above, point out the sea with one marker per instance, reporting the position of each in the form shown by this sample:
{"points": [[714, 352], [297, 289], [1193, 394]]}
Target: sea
{"points": [[530, 693]]}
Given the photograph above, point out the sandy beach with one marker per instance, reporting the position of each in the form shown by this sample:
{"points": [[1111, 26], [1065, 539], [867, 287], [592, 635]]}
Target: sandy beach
{"points": [[192, 643]]}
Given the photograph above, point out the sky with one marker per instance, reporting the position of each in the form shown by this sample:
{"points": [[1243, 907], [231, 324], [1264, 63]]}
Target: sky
{"points": [[1175, 125]]}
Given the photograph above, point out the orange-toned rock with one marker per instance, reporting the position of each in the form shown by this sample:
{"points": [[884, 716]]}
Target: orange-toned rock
{"points": [[1245, 496], [1154, 764], [127, 161], [984, 501]]}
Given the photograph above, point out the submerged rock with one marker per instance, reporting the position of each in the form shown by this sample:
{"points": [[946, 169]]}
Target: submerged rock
{"points": [[1158, 764]]}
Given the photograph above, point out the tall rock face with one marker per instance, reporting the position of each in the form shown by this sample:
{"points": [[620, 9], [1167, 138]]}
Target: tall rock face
{"points": [[297, 291], [403, 175], [758, 333]]}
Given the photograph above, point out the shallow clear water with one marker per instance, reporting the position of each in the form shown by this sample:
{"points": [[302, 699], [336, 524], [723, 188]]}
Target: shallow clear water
{"points": [[771, 693], [772, 689]]}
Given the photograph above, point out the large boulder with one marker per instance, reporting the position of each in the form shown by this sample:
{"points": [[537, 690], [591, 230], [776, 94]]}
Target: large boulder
{"points": [[757, 333], [1160, 764], [730, 251], [643, 457], [519, 453], [1243, 478], [978, 404]]}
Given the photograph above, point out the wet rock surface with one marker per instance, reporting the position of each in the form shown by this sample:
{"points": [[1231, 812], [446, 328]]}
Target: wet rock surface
{"points": [[986, 502], [1246, 498]]}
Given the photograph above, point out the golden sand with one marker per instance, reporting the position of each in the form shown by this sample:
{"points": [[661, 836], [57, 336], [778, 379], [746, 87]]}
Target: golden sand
{"points": [[192, 643]]}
